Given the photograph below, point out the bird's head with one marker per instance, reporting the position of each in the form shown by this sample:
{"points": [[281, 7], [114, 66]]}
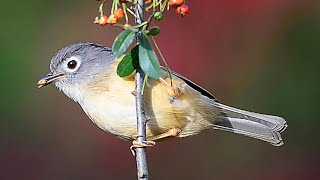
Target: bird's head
{"points": [[75, 66]]}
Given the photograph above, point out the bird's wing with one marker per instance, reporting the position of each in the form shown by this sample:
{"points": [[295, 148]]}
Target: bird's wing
{"points": [[193, 85]]}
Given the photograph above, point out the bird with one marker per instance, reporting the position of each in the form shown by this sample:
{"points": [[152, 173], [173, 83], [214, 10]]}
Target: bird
{"points": [[175, 107]]}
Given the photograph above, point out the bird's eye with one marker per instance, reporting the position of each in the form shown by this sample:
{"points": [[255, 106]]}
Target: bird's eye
{"points": [[72, 64]]}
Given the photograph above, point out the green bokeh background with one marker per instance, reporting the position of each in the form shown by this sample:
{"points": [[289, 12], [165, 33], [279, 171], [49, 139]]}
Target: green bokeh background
{"points": [[262, 56]]}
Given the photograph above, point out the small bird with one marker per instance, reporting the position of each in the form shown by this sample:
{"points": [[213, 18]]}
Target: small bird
{"points": [[86, 73]]}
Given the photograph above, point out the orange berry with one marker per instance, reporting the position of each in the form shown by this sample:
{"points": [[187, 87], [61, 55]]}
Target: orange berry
{"points": [[183, 10], [175, 3], [113, 19], [96, 20], [103, 20], [119, 12]]}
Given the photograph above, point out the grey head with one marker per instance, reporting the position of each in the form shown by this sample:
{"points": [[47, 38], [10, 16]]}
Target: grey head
{"points": [[76, 65]]}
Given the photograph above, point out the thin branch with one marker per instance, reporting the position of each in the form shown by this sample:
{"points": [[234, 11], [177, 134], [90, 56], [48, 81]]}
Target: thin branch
{"points": [[141, 157]]}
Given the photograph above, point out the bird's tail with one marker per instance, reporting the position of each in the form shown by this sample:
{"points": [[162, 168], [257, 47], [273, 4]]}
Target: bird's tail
{"points": [[259, 126]]}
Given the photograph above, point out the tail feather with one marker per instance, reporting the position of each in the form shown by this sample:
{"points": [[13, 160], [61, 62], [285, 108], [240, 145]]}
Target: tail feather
{"points": [[259, 126]]}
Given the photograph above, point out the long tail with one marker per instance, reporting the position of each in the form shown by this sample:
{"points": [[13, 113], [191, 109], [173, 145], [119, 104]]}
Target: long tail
{"points": [[259, 126]]}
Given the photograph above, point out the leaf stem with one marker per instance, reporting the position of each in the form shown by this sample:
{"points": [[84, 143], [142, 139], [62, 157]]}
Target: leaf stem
{"points": [[113, 6], [131, 12], [163, 5], [101, 8], [162, 57], [124, 6]]}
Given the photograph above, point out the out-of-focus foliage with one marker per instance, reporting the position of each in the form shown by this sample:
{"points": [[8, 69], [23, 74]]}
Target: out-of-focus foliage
{"points": [[256, 55]]}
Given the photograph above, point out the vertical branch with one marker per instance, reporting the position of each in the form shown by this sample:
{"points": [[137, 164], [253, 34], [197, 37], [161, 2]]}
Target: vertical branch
{"points": [[141, 157]]}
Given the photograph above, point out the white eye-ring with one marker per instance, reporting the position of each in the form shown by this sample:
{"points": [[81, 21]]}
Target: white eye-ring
{"points": [[72, 64]]}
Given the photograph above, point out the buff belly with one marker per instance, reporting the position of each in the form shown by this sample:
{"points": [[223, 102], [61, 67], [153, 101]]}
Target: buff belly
{"points": [[111, 106], [117, 115]]}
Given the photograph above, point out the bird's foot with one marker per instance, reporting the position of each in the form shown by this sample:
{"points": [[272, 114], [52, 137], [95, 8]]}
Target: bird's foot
{"points": [[174, 132], [134, 93], [136, 144]]}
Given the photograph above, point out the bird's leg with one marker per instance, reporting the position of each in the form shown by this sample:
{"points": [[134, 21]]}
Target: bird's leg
{"points": [[170, 133], [136, 144], [173, 91]]}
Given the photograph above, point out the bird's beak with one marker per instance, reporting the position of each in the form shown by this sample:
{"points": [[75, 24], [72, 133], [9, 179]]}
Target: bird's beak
{"points": [[48, 79]]}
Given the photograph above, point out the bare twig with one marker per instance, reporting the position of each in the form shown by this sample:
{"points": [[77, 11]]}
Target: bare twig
{"points": [[141, 158]]}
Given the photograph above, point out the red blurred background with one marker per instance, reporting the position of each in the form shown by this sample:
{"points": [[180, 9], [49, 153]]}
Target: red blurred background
{"points": [[261, 56]]}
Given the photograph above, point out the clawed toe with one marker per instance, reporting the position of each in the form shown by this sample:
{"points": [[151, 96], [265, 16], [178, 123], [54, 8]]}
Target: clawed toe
{"points": [[136, 144]]}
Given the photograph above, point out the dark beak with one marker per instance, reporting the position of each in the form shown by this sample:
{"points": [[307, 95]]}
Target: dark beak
{"points": [[48, 79]]}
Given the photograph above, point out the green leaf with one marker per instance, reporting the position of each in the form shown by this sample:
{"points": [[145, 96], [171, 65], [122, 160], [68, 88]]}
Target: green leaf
{"points": [[129, 63], [153, 31], [122, 42], [147, 58]]}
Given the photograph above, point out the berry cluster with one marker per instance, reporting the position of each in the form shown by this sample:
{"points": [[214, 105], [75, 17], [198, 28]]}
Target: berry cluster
{"points": [[181, 7], [127, 8], [112, 19]]}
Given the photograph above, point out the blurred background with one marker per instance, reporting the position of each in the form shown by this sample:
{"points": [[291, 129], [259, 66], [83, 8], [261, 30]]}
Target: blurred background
{"points": [[262, 56]]}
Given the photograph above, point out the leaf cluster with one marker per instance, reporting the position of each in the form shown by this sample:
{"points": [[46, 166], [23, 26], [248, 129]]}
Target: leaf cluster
{"points": [[142, 55]]}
